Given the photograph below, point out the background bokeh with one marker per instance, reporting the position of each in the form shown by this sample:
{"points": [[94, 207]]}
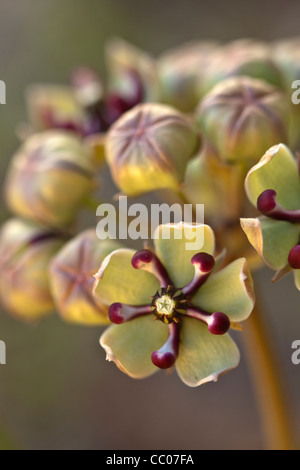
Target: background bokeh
{"points": [[57, 391]]}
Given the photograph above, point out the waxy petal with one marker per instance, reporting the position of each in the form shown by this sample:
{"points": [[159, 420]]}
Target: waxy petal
{"points": [[131, 344], [118, 281], [174, 252], [229, 291], [297, 278], [277, 170], [203, 357], [272, 239]]}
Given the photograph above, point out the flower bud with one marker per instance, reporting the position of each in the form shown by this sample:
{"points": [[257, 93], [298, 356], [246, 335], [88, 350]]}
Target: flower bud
{"points": [[72, 278], [181, 73], [54, 107], [148, 148], [90, 93], [216, 184], [88, 87], [294, 257], [25, 253], [286, 54], [243, 117], [124, 63], [48, 178], [242, 57]]}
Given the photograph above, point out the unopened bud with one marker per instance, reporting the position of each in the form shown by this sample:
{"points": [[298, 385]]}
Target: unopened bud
{"points": [[243, 117], [54, 107], [181, 73], [26, 251], [48, 178], [72, 278], [148, 148], [242, 57]]}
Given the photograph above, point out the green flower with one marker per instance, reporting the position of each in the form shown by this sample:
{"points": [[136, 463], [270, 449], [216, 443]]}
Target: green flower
{"points": [[193, 302], [273, 186]]}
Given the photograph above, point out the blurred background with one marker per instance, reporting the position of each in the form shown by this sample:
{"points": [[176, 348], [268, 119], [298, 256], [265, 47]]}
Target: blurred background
{"points": [[57, 391]]}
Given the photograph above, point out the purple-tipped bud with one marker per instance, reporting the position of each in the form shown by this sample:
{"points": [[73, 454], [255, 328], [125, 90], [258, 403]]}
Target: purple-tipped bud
{"points": [[166, 356], [294, 257], [267, 205], [115, 313], [266, 201], [119, 313], [163, 360], [83, 76], [87, 86], [148, 261], [204, 262], [218, 323], [116, 105], [142, 258]]}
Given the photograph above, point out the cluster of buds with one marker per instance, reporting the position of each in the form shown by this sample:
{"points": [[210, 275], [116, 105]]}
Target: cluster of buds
{"points": [[194, 122], [88, 105]]}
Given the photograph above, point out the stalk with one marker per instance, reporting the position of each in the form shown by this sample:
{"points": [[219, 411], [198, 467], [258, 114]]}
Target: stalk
{"points": [[268, 384]]}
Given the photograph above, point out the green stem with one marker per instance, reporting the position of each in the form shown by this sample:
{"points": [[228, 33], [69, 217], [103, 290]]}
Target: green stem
{"points": [[268, 383]]}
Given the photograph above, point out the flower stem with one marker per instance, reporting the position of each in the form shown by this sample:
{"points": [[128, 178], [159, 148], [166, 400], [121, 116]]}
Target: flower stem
{"points": [[268, 383]]}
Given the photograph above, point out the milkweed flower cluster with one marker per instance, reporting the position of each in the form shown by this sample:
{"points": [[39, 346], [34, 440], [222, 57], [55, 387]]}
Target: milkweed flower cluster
{"points": [[190, 125]]}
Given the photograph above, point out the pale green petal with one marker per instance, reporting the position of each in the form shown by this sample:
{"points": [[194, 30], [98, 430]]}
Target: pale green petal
{"points": [[203, 357], [297, 278], [118, 281], [277, 170], [176, 253], [229, 291], [272, 239], [131, 344]]}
